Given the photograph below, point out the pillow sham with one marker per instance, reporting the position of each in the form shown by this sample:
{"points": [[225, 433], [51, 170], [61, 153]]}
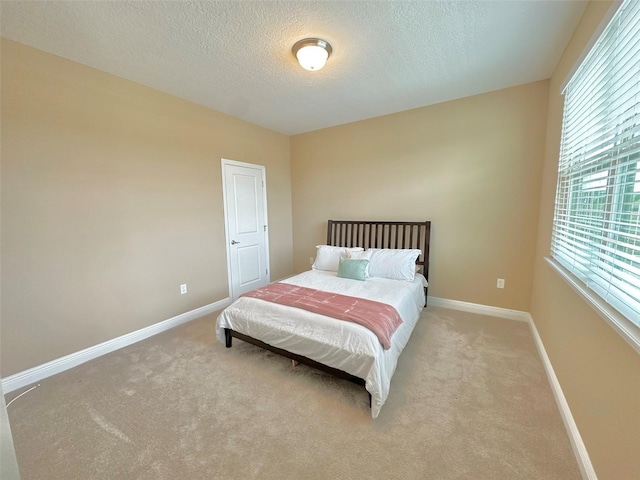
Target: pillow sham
{"points": [[396, 264], [364, 255], [352, 268], [328, 256]]}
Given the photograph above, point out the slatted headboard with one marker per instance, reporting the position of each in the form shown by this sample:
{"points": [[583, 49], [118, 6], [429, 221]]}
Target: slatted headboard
{"points": [[350, 233]]}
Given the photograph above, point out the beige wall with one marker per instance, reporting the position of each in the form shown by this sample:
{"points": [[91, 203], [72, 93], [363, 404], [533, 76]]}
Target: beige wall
{"points": [[111, 198], [598, 371], [471, 166]]}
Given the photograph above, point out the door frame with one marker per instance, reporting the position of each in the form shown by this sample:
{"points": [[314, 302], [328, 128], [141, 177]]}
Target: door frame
{"points": [[223, 163]]}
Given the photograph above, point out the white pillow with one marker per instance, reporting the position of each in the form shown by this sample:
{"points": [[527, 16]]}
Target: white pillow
{"points": [[396, 264], [362, 255], [328, 257]]}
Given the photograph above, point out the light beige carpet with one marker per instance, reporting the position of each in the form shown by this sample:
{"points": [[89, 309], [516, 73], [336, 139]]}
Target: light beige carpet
{"points": [[469, 400]]}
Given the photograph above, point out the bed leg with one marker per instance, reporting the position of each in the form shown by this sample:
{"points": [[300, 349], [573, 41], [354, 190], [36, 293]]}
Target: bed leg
{"points": [[369, 400], [425, 296], [227, 337]]}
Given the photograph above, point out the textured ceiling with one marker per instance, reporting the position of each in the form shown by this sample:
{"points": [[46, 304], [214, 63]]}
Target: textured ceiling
{"points": [[235, 56]]}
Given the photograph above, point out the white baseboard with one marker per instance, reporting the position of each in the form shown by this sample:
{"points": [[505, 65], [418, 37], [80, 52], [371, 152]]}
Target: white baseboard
{"points": [[481, 309], [579, 449], [35, 374]]}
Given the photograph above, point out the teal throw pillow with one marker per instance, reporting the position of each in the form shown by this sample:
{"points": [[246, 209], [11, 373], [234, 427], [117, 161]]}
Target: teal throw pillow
{"points": [[353, 269]]}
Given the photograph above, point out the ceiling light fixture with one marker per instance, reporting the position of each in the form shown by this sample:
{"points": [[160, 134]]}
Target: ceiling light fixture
{"points": [[312, 53]]}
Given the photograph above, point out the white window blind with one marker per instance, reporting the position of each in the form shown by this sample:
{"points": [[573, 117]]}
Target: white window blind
{"points": [[596, 231]]}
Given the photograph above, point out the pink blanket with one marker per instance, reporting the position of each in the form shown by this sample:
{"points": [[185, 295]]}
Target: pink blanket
{"points": [[380, 318]]}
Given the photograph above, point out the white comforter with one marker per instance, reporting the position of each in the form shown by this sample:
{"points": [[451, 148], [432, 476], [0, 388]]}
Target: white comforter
{"points": [[339, 344]]}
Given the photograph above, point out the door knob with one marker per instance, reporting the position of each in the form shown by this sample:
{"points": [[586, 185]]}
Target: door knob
{"points": [[233, 242]]}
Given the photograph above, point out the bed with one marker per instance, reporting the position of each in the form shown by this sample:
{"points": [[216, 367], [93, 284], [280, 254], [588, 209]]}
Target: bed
{"points": [[345, 349]]}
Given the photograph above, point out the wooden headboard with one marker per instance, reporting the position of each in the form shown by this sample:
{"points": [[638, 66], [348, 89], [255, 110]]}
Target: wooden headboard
{"points": [[350, 233]]}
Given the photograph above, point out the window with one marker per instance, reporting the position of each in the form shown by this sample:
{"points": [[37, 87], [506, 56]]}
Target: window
{"points": [[596, 231]]}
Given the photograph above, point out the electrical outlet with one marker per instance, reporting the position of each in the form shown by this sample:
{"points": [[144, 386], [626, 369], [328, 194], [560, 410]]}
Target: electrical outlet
{"points": [[311, 260], [183, 289], [500, 283]]}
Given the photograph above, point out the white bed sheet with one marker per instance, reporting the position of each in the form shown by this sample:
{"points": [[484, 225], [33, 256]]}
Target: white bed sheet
{"points": [[339, 344]]}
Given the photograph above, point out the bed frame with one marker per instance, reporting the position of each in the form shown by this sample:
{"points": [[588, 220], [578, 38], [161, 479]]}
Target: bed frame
{"points": [[348, 233], [369, 234]]}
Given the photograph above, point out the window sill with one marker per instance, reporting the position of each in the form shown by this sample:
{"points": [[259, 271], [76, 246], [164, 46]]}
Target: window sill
{"points": [[624, 327]]}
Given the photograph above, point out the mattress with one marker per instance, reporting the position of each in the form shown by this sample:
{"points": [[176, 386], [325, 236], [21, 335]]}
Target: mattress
{"points": [[339, 344]]}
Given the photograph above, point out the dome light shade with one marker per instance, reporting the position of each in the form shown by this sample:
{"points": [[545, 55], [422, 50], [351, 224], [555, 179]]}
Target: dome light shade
{"points": [[312, 53]]}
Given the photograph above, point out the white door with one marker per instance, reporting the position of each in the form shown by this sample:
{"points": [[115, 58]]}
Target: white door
{"points": [[245, 209]]}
